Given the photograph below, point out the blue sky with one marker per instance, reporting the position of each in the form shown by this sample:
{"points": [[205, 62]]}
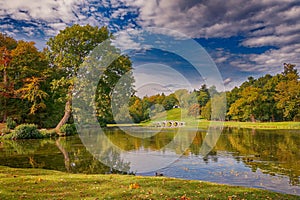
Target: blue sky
{"points": [[243, 37]]}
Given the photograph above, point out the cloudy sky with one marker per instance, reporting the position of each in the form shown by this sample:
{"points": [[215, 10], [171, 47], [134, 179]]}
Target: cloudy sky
{"points": [[243, 37]]}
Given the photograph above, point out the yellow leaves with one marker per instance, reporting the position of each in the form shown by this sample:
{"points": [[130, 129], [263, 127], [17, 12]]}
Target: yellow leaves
{"points": [[38, 180], [31, 91], [134, 186]]}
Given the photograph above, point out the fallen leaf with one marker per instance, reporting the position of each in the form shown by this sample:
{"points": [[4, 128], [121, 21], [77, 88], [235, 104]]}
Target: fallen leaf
{"points": [[134, 186]]}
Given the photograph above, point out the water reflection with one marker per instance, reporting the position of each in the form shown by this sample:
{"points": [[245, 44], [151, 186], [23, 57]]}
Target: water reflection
{"points": [[255, 158]]}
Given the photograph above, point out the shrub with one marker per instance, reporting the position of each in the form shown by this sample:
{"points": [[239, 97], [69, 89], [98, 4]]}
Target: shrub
{"points": [[10, 123], [9, 136], [68, 129], [27, 131], [48, 133]]}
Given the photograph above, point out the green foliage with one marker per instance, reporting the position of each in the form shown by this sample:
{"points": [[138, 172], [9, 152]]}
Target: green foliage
{"points": [[68, 49], [48, 133], [139, 111], [115, 84], [35, 85], [123, 116], [267, 98], [288, 93], [68, 52], [203, 95], [10, 123], [68, 129], [206, 111], [9, 136], [170, 101], [5, 131], [27, 131]]}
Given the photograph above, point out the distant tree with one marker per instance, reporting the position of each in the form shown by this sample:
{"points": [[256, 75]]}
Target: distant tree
{"points": [[206, 111], [194, 110], [138, 111], [288, 92], [170, 101], [203, 95], [245, 107], [123, 115], [212, 90], [181, 95], [218, 107]]}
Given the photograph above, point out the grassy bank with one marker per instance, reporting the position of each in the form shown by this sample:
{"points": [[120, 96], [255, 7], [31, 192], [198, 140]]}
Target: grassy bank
{"points": [[264, 125], [256, 125], [181, 115], [45, 184]]}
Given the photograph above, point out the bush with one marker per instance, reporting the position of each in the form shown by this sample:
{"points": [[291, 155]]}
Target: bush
{"points": [[68, 129], [9, 136], [27, 131], [10, 123], [48, 133]]}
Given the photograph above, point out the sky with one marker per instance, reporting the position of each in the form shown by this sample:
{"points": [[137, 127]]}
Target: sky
{"points": [[243, 37]]}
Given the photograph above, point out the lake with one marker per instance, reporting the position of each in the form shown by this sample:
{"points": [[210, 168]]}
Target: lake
{"points": [[267, 159]]}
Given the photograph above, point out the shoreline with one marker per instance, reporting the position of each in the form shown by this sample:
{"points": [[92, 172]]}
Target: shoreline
{"points": [[228, 124]]}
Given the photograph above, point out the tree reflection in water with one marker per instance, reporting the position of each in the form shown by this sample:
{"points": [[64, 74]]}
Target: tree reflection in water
{"points": [[273, 152]]}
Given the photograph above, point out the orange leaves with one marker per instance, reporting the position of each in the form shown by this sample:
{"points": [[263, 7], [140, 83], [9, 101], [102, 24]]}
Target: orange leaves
{"points": [[32, 92], [134, 186], [184, 197]]}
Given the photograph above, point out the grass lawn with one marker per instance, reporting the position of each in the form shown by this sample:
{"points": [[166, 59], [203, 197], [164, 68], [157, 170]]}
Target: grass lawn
{"points": [[181, 115], [46, 184]]}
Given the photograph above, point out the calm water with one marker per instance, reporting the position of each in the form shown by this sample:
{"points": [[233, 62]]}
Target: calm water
{"points": [[252, 158]]}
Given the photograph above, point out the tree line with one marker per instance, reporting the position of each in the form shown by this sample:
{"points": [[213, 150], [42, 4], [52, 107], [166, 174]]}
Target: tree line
{"points": [[265, 99], [36, 86]]}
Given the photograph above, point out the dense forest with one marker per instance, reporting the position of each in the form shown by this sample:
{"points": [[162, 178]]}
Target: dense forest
{"points": [[36, 86]]}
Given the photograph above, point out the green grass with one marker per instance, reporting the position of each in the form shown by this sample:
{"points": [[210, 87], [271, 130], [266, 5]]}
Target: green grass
{"points": [[45, 184], [181, 114], [264, 125]]}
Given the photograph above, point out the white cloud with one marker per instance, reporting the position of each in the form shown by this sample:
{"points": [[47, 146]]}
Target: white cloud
{"points": [[227, 81], [271, 40], [47, 10], [56, 14], [30, 31], [260, 22], [273, 60]]}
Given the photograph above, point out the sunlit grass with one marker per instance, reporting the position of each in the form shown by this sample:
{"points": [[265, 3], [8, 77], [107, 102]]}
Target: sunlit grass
{"points": [[181, 114], [46, 184]]}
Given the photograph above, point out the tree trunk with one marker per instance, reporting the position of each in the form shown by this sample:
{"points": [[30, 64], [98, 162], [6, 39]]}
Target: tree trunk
{"points": [[252, 118], [67, 114], [5, 98]]}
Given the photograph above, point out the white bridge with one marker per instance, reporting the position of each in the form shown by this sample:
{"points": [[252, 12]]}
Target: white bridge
{"points": [[169, 124]]}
